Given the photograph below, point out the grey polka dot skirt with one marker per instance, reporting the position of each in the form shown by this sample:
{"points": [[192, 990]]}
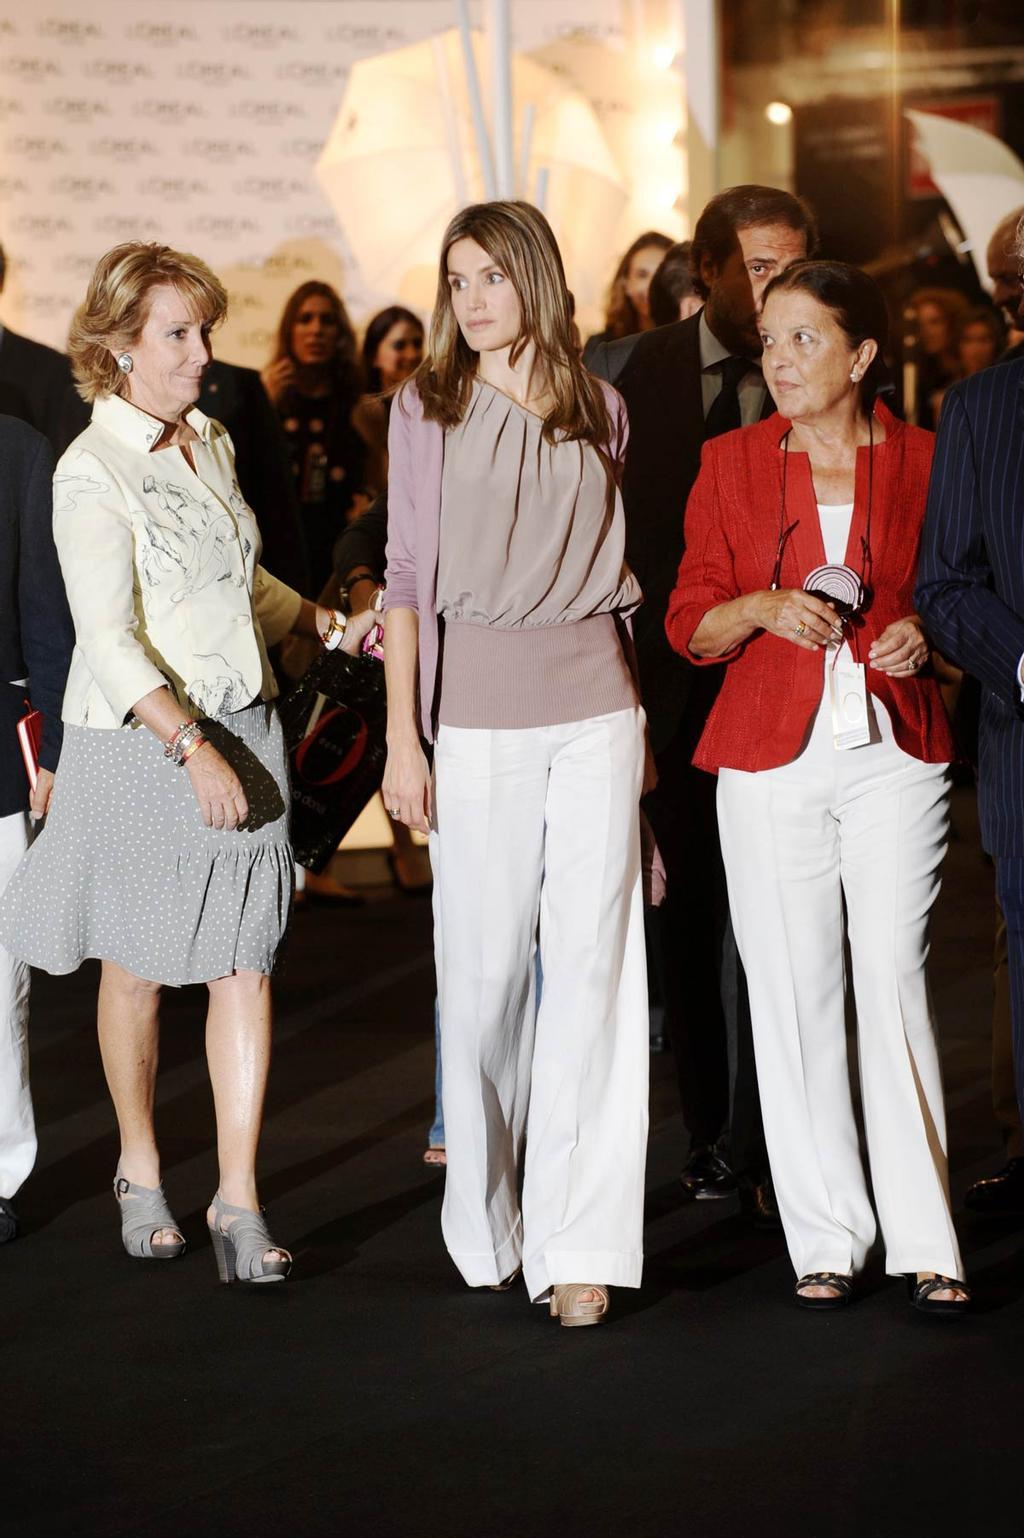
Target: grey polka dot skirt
{"points": [[124, 869]]}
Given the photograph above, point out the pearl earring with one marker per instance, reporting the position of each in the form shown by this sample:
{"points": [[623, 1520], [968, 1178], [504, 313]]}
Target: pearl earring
{"points": [[124, 363], [853, 375]]}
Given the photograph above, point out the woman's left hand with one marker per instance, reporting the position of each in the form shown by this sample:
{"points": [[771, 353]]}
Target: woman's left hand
{"points": [[901, 650], [358, 628]]}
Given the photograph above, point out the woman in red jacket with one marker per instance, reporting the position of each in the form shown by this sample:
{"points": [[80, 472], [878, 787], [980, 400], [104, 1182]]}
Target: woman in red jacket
{"points": [[832, 750]]}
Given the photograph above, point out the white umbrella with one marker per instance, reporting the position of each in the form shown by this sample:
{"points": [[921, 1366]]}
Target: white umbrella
{"points": [[402, 157], [979, 176]]}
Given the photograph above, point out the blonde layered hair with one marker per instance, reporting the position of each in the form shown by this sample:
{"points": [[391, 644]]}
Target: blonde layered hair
{"points": [[520, 242], [116, 304]]}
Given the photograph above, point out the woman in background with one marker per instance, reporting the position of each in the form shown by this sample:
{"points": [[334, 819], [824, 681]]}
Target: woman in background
{"points": [[672, 295], [315, 383], [392, 350], [937, 312], [628, 310], [979, 339]]}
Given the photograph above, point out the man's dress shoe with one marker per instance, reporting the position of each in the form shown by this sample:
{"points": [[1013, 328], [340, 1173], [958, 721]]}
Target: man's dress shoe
{"points": [[1002, 1195], [706, 1176], [757, 1202], [8, 1221]]}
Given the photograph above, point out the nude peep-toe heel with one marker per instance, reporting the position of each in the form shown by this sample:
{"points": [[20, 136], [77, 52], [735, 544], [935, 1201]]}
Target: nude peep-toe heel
{"points": [[566, 1305], [144, 1212], [240, 1249]]}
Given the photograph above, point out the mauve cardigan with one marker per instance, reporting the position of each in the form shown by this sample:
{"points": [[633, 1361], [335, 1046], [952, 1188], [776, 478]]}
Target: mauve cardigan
{"points": [[772, 688], [415, 465]]}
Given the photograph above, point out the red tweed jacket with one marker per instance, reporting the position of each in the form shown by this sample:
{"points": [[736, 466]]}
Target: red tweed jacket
{"points": [[772, 688]]}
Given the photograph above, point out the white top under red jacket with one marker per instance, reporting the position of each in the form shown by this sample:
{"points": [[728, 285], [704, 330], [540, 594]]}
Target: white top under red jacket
{"points": [[161, 567]]}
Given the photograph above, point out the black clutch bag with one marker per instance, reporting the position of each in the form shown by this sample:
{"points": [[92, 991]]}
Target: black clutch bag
{"points": [[335, 721]]}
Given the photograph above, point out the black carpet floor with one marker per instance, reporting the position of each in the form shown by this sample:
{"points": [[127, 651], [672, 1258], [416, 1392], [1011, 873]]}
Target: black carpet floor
{"points": [[375, 1394]]}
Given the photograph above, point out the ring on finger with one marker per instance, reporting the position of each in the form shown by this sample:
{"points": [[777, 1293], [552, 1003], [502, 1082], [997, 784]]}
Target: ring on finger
{"points": [[801, 629], [393, 811]]}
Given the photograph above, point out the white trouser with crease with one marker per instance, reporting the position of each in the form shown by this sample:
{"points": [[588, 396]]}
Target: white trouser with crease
{"points": [[17, 1127], [869, 826], [540, 827]]}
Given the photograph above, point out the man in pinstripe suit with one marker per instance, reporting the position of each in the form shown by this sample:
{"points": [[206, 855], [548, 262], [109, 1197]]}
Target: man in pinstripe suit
{"points": [[970, 595]]}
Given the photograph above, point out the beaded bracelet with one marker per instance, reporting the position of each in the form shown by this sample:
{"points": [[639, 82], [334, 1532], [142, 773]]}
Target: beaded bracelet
{"points": [[189, 734]]}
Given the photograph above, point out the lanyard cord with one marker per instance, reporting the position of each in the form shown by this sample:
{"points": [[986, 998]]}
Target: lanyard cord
{"points": [[865, 539], [784, 533], [865, 542]]}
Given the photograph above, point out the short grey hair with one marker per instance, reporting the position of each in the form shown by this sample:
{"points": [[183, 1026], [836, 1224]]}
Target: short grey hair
{"points": [[1018, 243]]}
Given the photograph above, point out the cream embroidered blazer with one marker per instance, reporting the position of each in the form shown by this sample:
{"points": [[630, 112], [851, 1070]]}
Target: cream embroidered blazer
{"points": [[162, 574]]}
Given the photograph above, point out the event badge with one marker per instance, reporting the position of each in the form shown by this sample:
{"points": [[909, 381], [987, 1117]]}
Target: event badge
{"points": [[848, 691]]}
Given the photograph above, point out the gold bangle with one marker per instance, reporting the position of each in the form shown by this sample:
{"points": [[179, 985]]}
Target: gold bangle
{"points": [[336, 627]]}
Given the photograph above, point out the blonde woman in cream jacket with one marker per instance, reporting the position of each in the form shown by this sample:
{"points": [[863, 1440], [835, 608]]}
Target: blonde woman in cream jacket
{"points": [[166, 851]]}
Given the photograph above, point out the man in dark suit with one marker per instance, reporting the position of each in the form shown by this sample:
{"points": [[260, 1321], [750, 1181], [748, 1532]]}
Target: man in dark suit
{"points": [[235, 397], [970, 596], [1001, 1194], [42, 378], [684, 383], [36, 641]]}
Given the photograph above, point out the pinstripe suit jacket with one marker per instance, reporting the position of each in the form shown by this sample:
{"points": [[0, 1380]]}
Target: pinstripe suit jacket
{"points": [[970, 588]]}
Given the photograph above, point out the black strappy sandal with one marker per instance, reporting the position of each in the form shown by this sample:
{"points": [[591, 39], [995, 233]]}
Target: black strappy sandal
{"points": [[922, 1295], [842, 1284]]}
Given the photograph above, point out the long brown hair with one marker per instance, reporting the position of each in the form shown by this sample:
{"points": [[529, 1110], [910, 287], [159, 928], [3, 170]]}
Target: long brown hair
{"points": [[345, 371], [621, 315], [519, 241]]}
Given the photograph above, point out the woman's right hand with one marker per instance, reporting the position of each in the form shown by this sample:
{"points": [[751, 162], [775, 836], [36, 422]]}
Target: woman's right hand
{"points": [[793, 615], [277, 377], [406, 787], [217, 789]]}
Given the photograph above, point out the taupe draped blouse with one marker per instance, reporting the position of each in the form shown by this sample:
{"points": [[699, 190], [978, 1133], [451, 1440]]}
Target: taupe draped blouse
{"points": [[531, 574]]}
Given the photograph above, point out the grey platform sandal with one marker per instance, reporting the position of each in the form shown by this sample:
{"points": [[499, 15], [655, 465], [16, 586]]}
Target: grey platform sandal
{"points": [[240, 1249], [144, 1212]]}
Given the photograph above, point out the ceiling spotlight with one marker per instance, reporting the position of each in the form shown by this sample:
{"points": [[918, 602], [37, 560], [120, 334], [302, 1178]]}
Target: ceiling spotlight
{"points": [[779, 112]]}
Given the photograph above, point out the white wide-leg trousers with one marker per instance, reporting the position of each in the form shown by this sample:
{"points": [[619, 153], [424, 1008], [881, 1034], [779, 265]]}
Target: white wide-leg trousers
{"points": [[540, 827], [868, 825], [17, 1126]]}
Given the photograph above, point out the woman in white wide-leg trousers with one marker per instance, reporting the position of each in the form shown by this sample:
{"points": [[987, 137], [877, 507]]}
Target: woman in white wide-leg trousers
{"points": [[538, 828], [868, 827]]}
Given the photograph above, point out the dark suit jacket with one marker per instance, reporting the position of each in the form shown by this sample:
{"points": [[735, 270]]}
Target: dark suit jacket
{"points": [[235, 397], [970, 587], [36, 633], [607, 356], [660, 382], [13, 403], [42, 377]]}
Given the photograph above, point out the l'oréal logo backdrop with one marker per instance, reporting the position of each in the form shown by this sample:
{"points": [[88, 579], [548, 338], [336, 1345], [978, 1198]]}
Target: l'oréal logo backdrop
{"points": [[70, 30], [198, 124]]}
